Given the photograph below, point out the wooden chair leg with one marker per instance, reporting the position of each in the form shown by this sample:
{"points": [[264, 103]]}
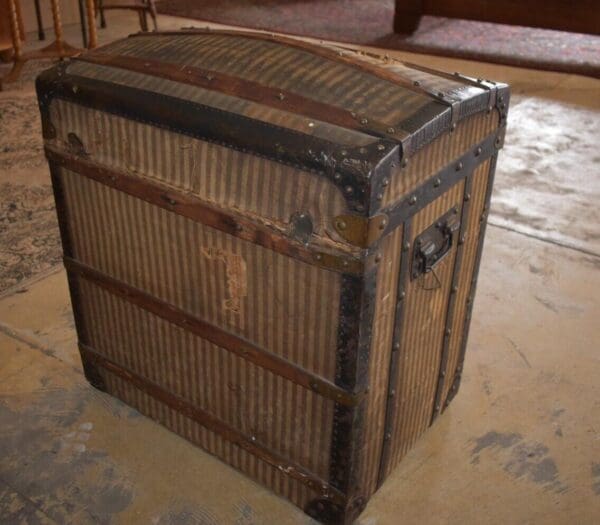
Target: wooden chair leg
{"points": [[152, 11], [82, 21], [101, 9], [407, 16], [40, 23]]}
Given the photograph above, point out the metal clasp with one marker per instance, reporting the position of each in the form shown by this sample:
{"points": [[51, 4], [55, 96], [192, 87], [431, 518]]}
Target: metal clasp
{"points": [[434, 243]]}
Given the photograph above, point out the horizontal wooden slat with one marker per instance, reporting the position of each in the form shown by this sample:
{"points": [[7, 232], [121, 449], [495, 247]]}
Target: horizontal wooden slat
{"points": [[195, 209], [212, 423], [215, 335]]}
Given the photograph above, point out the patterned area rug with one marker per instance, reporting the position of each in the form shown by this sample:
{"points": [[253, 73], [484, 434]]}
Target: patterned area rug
{"points": [[29, 240], [369, 22], [29, 237]]}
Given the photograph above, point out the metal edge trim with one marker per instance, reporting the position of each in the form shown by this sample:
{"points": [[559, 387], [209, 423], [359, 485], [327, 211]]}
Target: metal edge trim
{"points": [[194, 208], [347, 168], [471, 297], [442, 181], [214, 424], [403, 281], [226, 340], [465, 210]]}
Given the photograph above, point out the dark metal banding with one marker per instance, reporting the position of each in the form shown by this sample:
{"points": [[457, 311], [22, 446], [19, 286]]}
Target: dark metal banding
{"points": [[193, 208], [437, 406], [457, 77], [213, 424], [470, 299], [241, 88], [226, 340], [322, 51], [403, 280], [345, 168], [442, 181]]}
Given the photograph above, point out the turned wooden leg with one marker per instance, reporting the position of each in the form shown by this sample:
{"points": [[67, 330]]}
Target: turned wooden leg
{"points": [[40, 23], [82, 21], [91, 19], [407, 16]]}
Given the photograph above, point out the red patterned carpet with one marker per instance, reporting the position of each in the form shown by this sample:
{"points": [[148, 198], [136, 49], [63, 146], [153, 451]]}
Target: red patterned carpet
{"points": [[370, 22]]}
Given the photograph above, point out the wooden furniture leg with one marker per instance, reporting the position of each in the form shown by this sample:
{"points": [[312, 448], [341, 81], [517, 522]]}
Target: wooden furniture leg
{"points": [[91, 19], [57, 49], [82, 21], [407, 15], [40, 23]]}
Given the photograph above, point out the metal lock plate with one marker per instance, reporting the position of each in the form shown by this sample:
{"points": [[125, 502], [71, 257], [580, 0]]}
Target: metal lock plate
{"points": [[432, 245]]}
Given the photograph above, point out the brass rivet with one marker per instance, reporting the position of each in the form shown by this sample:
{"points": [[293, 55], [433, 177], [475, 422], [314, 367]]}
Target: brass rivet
{"points": [[417, 83], [380, 147], [437, 408], [478, 152], [341, 225], [459, 166], [441, 94], [345, 264], [391, 131], [385, 182], [281, 96], [467, 196], [383, 224], [318, 257], [311, 124], [443, 374], [392, 393], [436, 183], [406, 246], [455, 289], [379, 196], [343, 153], [453, 126], [412, 200], [349, 189], [396, 346], [364, 121], [401, 295], [337, 176]]}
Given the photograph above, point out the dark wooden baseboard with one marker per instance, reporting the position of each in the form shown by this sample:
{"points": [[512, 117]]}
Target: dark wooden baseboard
{"points": [[582, 16]]}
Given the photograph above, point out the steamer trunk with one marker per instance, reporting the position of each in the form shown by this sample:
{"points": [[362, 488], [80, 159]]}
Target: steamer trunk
{"points": [[272, 247]]}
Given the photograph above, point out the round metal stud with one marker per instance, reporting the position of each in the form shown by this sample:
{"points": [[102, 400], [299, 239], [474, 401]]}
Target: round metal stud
{"points": [[459, 166], [385, 182], [311, 124], [281, 96], [478, 152], [406, 246], [436, 183], [401, 295], [467, 197], [341, 225], [391, 131], [453, 126], [364, 121], [378, 258], [349, 190], [412, 200], [380, 147], [417, 83]]}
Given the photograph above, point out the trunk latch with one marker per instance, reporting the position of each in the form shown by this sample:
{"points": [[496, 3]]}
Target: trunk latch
{"points": [[434, 243]]}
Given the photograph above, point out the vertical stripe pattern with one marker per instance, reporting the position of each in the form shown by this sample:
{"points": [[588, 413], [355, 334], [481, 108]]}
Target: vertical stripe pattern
{"points": [[281, 304], [426, 162], [279, 482], [282, 67], [478, 193], [254, 401], [421, 339], [265, 190], [381, 345]]}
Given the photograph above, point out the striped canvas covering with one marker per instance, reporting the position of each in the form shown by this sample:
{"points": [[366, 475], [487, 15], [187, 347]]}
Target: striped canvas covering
{"points": [[301, 356]]}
